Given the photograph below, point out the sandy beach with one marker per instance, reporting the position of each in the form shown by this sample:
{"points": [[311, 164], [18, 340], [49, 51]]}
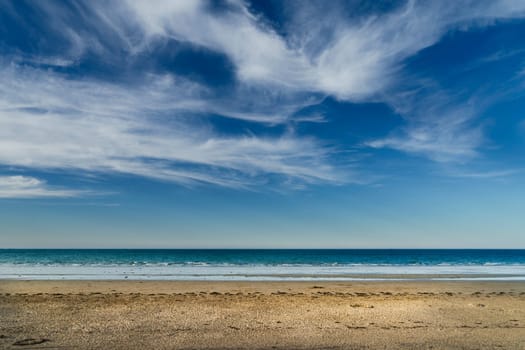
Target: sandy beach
{"points": [[261, 315]]}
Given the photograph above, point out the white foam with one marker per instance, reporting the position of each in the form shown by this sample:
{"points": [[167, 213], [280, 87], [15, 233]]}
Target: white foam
{"points": [[262, 272]]}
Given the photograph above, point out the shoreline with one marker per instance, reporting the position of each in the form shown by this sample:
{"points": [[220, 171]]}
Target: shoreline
{"points": [[415, 285], [393, 279], [263, 277]]}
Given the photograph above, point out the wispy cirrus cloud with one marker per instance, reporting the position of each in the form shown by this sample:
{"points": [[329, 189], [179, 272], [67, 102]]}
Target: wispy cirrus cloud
{"points": [[49, 122], [353, 60], [19, 186], [357, 59], [499, 174], [329, 52], [439, 126], [157, 126]]}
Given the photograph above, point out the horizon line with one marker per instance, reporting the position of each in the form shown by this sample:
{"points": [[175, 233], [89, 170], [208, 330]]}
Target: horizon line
{"points": [[217, 248]]}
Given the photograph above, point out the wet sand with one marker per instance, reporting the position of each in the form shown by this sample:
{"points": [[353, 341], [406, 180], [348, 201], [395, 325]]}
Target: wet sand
{"points": [[261, 315]]}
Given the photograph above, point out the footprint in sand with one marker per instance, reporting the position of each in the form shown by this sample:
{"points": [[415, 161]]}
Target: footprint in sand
{"points": [[30, 341]]}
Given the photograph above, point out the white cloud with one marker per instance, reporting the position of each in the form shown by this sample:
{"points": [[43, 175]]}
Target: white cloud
{"points": [[49, 122], [437, 127], [18, 186], [495, 174], [259, 54], [358, 60]]}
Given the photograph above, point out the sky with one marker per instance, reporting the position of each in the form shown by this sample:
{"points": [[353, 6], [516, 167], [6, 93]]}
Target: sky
{"points": [[262, 124]]}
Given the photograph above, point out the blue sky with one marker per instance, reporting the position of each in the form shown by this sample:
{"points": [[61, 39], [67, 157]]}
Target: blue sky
{"points": [[320, 124]]}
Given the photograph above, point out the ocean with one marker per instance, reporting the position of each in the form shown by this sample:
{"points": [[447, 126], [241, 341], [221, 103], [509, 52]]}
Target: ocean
{"points": [[262, 264]]}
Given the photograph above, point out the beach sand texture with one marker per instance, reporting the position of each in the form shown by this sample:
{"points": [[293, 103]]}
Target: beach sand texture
{"points": [[261, 315]]}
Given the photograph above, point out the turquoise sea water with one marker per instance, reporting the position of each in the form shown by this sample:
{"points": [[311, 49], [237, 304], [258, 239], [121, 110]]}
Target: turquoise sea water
{"points": [[290, 264]]}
